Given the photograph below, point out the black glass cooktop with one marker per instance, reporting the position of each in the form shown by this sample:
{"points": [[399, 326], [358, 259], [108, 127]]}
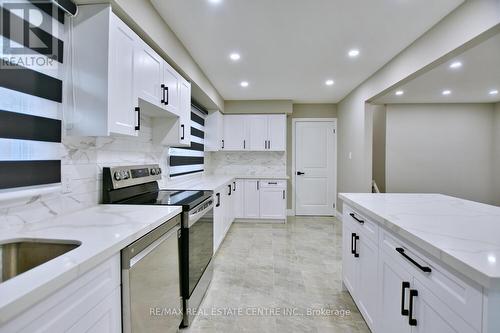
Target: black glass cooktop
{"points": [[186, 199]]}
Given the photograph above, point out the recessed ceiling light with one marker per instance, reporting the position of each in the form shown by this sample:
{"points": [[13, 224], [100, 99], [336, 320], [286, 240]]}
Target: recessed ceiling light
{"points": [[329, 82], [244, 84], [446, 92], [215, 1], [493, 92], [456, 64], [235, 56], [399, 92], [353, 53]]}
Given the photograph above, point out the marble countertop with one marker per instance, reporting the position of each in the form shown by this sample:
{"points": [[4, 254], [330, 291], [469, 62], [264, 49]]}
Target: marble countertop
{"points": [[213, 182], [102, 230], [262, 176], [461, 233]]}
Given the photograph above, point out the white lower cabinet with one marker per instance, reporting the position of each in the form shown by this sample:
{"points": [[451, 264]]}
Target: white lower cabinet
{"points": [[239, 198], [223, 212], [398, 289], [262, 199], [91, 303], [251, 208]]}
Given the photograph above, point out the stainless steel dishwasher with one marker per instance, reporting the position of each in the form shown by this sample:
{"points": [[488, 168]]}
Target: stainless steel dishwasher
{"points": [[151, 297]]}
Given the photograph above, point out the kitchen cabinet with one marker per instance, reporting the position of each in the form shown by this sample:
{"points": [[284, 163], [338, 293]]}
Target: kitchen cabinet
{"points": [[185, 113], [214, 131], [239, 198], [235, 133], [148, 74], [276, 132], [103, 79], [251, 206], [258, 131], [272, 200], [223, 213], [398, 289], [171, 89], [261, 199], [90, 303]]}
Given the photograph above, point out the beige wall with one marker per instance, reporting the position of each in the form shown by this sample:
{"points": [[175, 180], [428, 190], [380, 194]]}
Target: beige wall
{"points": [[441, 148], [378, 158], [145, 21], [496, 154], [303, 111], [262, 106], [354, 175]]}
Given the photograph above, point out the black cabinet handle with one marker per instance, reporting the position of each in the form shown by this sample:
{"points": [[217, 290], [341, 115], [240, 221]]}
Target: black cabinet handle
{"points": [[162, 93], [218, 200], [166, 89], [229, 189], [222, 144], [359, 220], [272, 183], [138, 110], [244, 144], [354, 239], [269, 144], [283, 194], [299, 173], [257, 185], [412, 321], [183, 131], [405, 285], [425, 269], [234, 186]]}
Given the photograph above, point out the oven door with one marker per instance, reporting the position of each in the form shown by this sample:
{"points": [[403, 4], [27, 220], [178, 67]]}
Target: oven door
{"points": [[199, 232]]}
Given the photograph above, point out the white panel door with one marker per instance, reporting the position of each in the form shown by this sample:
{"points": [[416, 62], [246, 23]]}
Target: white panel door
{"points": [[315, 183], [258, 130], [148, 73], [432, 315], [252, 199], [276, 132], [239, 197], [394, 289], [170, 92], [272, 203], [367, 277], [122, 114], [235, 137]]}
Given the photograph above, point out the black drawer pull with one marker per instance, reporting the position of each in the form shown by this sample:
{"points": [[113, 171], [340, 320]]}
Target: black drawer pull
{"points": [[218, 200], [359, 220], [412, 321], [272, 183], [166, 89], [162, 94], [183, 131], [405, 285], [425, 269], [222, 144], [229, 189], [234, 186], [354, 245], [138, 110]]}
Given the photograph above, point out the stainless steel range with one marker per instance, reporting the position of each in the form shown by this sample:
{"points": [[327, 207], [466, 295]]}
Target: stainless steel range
{"points": [[137, 185]]}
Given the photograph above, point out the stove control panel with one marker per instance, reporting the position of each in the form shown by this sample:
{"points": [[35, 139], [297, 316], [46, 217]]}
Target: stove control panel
{"points": [[123, 176]]}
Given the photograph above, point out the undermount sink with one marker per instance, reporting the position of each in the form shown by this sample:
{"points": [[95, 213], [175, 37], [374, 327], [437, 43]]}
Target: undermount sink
{"points": [[20, 256]]}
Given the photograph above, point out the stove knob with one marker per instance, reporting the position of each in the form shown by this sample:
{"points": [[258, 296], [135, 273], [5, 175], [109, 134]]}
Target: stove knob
{"points": [[158, 171], [117, 175], [152, 171], [125, 174]]}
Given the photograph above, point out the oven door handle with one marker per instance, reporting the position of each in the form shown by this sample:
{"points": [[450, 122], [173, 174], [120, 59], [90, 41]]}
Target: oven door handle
{"points": [[195, 217]]}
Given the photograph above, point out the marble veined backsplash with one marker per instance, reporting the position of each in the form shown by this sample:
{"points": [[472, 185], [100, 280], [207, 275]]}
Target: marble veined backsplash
{"points": [[82, 160], [245, 163]]}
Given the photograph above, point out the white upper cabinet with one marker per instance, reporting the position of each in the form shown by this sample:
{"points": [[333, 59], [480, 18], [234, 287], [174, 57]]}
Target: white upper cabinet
{"points": [[184, 112], [255, 132], [214, 131], [235, 133], [148, 72], [170, 94]]}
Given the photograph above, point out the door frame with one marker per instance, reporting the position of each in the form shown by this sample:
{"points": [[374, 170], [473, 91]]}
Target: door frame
{"points": [[293, 175]]}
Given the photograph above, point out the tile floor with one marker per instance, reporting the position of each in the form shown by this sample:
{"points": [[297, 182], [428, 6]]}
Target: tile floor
{"points": [[278, 278]]}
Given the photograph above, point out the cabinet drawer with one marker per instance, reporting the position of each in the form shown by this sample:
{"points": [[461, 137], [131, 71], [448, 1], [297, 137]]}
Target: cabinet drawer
{"points": [[461, 297], [366, 227], [272, 183]]}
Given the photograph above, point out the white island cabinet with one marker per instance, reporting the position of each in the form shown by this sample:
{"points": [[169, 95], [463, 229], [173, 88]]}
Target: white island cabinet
{"points": [[422, 262]]}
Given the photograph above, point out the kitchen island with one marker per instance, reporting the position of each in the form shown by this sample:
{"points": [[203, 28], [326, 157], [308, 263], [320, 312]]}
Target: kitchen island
{"points": [[422, 262]]}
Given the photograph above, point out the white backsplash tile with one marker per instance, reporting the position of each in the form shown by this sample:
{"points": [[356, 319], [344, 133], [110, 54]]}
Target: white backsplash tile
{"points": [[246, 163]]}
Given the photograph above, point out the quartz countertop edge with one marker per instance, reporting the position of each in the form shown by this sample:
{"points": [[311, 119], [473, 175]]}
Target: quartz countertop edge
{"points": [[213, 182], [458, 232], [102, 230]]}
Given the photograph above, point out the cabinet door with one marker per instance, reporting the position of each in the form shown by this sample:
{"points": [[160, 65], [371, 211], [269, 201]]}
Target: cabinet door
{"points": [[252, 199], [218, 220], [367, 280], [214, 131], [348, 259], [170, 92], [273, 203], [432, 315], [122, 115], [394, 289], [257, 131], [148, 74], [276, 132], [239, 198], [235, 137], [185, 113]]}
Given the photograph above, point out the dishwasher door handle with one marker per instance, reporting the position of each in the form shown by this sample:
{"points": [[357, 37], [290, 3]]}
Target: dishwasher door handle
{"points": [[139, 256]]}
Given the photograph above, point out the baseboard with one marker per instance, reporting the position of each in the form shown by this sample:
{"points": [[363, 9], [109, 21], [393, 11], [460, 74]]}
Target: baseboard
{"points": [[259, 221], [338, 215], [290, 212]]}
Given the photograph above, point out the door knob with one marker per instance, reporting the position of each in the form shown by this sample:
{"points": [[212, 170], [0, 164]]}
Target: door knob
{"points": [[300, 173]]}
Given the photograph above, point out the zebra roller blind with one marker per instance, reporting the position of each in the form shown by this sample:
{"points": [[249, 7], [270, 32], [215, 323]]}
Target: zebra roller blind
{"points": [[190, 160]]}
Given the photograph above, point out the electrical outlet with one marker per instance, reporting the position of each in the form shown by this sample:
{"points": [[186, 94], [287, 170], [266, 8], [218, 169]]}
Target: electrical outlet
{"points": [[66, 184]]}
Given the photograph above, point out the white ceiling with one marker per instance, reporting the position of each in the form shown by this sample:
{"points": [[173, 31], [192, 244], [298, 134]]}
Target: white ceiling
{"points": [[289, 48], [471, 83]]}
